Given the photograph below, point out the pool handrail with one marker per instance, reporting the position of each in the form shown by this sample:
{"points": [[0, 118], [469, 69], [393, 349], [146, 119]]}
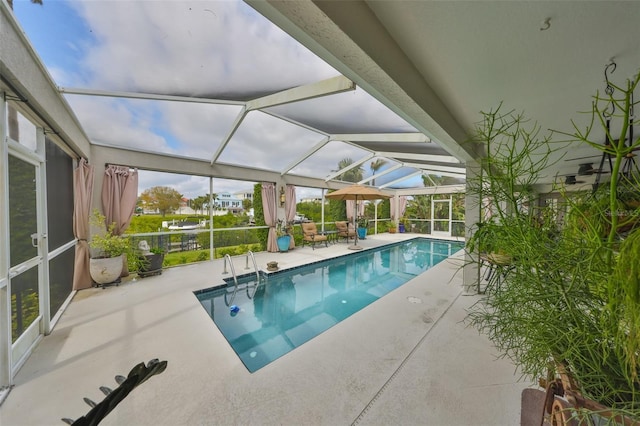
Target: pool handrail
{"points": [[235, 280], [255, 267]]}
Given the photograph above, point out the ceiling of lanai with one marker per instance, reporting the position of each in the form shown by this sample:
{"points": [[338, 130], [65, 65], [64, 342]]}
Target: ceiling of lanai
{"points": [[439, 63], [205, 80], [173, 77]]}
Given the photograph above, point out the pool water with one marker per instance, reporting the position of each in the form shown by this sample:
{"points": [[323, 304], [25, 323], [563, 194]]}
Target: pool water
{"points": [[291, 307]]}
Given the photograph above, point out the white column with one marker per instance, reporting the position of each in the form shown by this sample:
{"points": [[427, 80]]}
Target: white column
{"points": [[471, 270], [45, 306], [322, 209], [211, 207], [5, 306]]}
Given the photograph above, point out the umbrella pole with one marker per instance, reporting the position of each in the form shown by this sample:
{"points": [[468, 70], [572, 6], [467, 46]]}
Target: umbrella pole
{"points": [[355, 245]]}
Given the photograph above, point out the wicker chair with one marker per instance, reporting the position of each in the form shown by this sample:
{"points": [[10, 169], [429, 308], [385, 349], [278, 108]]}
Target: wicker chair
{"points": [[310, 235]]}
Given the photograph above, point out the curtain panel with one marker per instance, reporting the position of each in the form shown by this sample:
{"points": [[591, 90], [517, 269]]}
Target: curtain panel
{"points": [[82, 193], [119, 196], [290, 210], [270, 214]]}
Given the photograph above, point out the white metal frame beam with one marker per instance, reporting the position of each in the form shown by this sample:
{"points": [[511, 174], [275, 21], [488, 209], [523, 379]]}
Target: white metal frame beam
{"points": [[426, 175], [393, 182], [234, 127], [330, 86], [449, 174], [382, 137], [350, 166], [419, 157], [306, 155], [431, 190], [436, 168], [145, 96], [382, 173]]}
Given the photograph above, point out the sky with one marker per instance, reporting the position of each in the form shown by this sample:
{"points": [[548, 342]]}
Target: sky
{"points": [[213, 49]]}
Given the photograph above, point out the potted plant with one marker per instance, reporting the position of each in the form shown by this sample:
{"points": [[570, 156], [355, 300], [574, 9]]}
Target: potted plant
{"points": [[402, 225], [392, 227], [362, 223], [106, 263], [150, 260], [568, 306], [284, 237]]}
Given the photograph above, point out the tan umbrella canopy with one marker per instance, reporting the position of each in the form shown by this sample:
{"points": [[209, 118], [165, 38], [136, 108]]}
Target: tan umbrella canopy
{"points": [[357, 192]]}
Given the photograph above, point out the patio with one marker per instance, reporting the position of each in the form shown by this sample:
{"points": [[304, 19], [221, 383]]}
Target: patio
{"points": [[430, 67], [393, 362]]}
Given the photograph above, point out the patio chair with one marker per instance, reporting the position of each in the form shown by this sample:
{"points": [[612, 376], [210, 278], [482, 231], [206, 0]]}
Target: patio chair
{"points": [[345, 230], [310, 235]]}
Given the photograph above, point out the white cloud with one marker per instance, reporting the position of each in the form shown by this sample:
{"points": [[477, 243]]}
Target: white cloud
{"points": [[206, 48], [194, 48], [111, 120], [268, 143]]}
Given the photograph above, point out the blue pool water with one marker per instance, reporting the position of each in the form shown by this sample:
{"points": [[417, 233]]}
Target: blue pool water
{"points": [[291, 307]]}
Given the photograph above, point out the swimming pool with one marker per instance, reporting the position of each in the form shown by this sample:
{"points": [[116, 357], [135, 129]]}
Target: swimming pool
{"points": [[291, 307]]}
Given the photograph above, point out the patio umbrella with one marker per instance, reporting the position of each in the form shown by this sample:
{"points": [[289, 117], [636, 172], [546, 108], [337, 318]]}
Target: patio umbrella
{"points": [[357, 193]]}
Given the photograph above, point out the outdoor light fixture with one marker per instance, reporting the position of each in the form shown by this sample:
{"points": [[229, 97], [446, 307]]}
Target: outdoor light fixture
{"points": [[281, 196]]}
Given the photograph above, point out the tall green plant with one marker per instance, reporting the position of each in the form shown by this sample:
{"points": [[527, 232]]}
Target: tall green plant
{"points": [[569, 295], [107, 243]]}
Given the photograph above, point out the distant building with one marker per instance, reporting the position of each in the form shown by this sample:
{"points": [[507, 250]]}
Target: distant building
{"points": [[228, 202], [185, 207], [244, 195], [311, 200]]}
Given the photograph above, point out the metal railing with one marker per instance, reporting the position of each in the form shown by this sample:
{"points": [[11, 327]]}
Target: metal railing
{"points": [[240, 240]]}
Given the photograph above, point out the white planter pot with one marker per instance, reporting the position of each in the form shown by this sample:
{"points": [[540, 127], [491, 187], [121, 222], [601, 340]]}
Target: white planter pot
{"points": [[105, 270]]}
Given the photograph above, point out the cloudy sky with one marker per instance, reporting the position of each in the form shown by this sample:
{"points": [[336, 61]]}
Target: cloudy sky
{"points": [[213, 49]]}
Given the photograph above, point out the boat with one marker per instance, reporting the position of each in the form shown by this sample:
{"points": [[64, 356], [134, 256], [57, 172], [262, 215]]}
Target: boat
{"points": [[188, 224]]}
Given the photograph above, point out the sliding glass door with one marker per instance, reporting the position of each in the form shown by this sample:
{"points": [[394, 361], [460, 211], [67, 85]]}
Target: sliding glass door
{"points": [[25, 254]]}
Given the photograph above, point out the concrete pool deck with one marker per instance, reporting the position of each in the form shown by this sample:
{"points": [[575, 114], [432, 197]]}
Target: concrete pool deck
{"points": [[405, 359]]}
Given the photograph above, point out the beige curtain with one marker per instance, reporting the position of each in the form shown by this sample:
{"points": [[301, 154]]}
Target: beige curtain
{"points": [[352, 213], [82, 192], [399, 205], [290, 209], [392, 207], [350, 210], [119, 196], [270, 213], [402, 205]]}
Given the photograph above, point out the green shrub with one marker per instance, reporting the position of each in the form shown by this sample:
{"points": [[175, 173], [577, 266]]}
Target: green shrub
{"points": [[107, 243], [258, 212]]}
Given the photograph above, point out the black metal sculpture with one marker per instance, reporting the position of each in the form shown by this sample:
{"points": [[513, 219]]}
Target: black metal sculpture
{"points": [[138, 375]]}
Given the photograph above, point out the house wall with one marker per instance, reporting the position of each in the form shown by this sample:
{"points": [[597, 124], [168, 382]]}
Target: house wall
{"points": [[21, 71], [26, 86]]}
